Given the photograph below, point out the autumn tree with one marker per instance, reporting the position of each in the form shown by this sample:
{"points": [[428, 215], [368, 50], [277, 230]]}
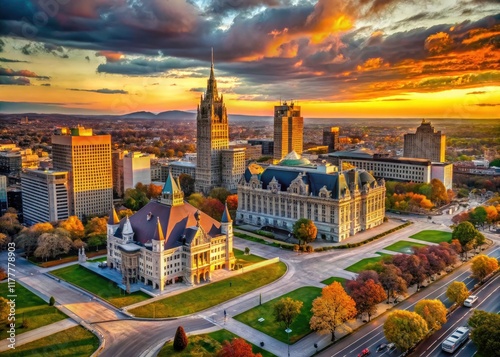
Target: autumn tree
{"points": [[4, 309], [196, 199], [404, 329], [392, 282], [27, 239], [153, 191], [96, 226], [232, 204], [3, 274], [180, 339], [439, 194], [219, 193], [485, 332], [9, 223], [367, 294], [433, 312], [478, 216], [238, 347], [305, 230], [135, 198], [332, 309], [74, 226], [213, 207], [187, 184], [286, 310], [482, 266], [465, 233], [457, 292], [127, 212], [51, 245], [4, 239]]}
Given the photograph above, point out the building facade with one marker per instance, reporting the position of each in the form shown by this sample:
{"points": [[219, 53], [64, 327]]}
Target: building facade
{"points": [[266, 144], [117, 167], [136, 168], [169, 241], [331, 138], [288, 130], [4, 203], [233, 166], [405, 169], [181, 167], [45, 196], [426, 143], [339, 203], [87, 158], [212, 132]]}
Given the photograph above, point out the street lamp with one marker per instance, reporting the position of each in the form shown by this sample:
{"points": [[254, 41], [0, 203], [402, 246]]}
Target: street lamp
{"points": [[288, 330]]}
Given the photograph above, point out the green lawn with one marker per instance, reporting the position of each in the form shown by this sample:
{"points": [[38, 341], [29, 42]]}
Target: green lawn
{"points": [[332, 279], [211, 294], [32, 308], [102, 259], [246, 260], [73, 342], [433, 236], [96, 284], [361, 265], [206, 345], [404, 246], [300, 326]]}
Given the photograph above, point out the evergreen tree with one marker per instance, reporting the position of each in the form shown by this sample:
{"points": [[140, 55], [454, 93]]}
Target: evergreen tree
{"points": [[180, 339]]}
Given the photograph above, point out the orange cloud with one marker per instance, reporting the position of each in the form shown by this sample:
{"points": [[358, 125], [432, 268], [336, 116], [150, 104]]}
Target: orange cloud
{"points": [[438, 42], [110, 55], [372, 64], [480, 36]]}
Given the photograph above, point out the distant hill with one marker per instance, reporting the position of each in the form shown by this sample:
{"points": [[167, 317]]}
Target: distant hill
{"points": [[184, 115]]}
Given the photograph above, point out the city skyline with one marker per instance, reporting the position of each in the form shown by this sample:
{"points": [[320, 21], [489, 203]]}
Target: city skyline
{"points": [[357, 59]]}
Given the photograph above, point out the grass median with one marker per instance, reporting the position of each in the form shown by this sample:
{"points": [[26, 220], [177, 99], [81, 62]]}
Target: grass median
{"points": [[334, 278], [96, 284], [74, 342], [363, 263], [433, 236], [206, 345], [31, 311], [211, 294], [300, 326], [404, 246]]}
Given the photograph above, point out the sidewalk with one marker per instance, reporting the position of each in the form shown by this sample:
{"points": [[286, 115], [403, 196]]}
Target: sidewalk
{"points": [[38, 333]]}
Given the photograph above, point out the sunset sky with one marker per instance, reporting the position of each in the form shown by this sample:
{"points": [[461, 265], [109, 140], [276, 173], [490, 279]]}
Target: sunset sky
{"points": [[337, 59]]}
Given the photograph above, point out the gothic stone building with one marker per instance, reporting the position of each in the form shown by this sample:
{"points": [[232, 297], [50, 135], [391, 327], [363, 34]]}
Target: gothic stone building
{"points": [[169, 241], [339, 203]]}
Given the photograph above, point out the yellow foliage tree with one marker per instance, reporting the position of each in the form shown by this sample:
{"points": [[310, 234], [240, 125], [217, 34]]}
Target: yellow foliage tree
{"points": [[404, 329], [433, 312], [332, 309], [457, 292], [74, 226], [482, 265]]}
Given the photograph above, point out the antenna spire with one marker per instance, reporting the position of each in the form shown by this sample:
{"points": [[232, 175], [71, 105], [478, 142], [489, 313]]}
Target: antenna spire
{"points": [[212, 57]]}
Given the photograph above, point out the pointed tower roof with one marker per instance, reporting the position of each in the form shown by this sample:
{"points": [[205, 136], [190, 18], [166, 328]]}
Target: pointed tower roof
{"points": [[212, 92], [127, 227], [170, 186], [226, 217], [113, 217], [159, 231]]}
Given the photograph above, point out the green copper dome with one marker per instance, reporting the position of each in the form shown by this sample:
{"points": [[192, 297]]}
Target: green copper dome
{"points": [[294, 159]]}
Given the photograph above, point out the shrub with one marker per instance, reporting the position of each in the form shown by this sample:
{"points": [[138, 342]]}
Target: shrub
{"points": [[247, 250], [25, 323], [52, 301], [310, 249], [180, 339], [296, 247]]}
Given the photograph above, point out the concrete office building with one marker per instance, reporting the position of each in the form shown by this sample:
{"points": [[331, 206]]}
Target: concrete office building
{"points": [[136, 168], [404, 169], [426, 143], [117, 167], [266, 144], [45, 196], [233, 166], [288, 130], [331, 138], [87, 158]]}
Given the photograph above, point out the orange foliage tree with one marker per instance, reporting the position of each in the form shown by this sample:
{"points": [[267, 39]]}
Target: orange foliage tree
{"points": [[238, 347]]}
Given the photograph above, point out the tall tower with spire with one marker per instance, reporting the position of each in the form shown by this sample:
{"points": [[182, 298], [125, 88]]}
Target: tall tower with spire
{"points": [[212, 133]]}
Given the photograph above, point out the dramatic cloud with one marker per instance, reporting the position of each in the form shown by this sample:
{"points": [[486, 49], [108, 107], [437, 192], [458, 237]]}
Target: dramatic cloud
{"points": [[2, 59], [21, 73], [102, 90], [21, 81], [143, 66], [2, 44]]}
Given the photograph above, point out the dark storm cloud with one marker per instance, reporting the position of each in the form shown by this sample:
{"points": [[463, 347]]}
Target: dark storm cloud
{"points": [[222, 7], [21, 81], [143, 66], [3, 59], [2, 44], [102, 90]]}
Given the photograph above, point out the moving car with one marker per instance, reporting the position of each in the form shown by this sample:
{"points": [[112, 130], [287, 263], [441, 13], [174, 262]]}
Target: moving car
{"points": [[363, 353], [470, 300], [454, 340]]}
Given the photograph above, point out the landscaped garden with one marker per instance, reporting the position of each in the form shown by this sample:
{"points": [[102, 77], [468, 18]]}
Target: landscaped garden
{"points": [[300, 326], [74, 342], [404, 246], [433, 236], [334, 278], [363, 263], [211, 294], [96, 284], [31, 311], [206, 345]]}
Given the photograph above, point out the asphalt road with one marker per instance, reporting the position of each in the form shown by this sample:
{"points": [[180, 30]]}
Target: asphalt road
{"points": [[371, 335]]}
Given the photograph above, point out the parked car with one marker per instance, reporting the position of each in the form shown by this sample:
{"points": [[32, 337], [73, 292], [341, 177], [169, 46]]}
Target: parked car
{"points": [[470, 300], [381, 347], [363, 353]]}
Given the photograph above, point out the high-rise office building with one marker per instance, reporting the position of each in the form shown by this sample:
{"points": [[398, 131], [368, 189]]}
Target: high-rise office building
{"points": [[87, 158], [233, 166], [117, 168], [45, 196], [136, 168], [426, 143], [288, 130], [212, 137], [331, 138]]}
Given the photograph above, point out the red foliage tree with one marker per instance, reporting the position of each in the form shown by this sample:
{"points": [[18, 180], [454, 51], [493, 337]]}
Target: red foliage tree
{"points": [[367, 295], [238, 347], [213, 207], [180, 339]]}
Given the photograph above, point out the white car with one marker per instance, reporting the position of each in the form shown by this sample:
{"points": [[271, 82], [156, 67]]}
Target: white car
{"points": [[470, 300]]}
